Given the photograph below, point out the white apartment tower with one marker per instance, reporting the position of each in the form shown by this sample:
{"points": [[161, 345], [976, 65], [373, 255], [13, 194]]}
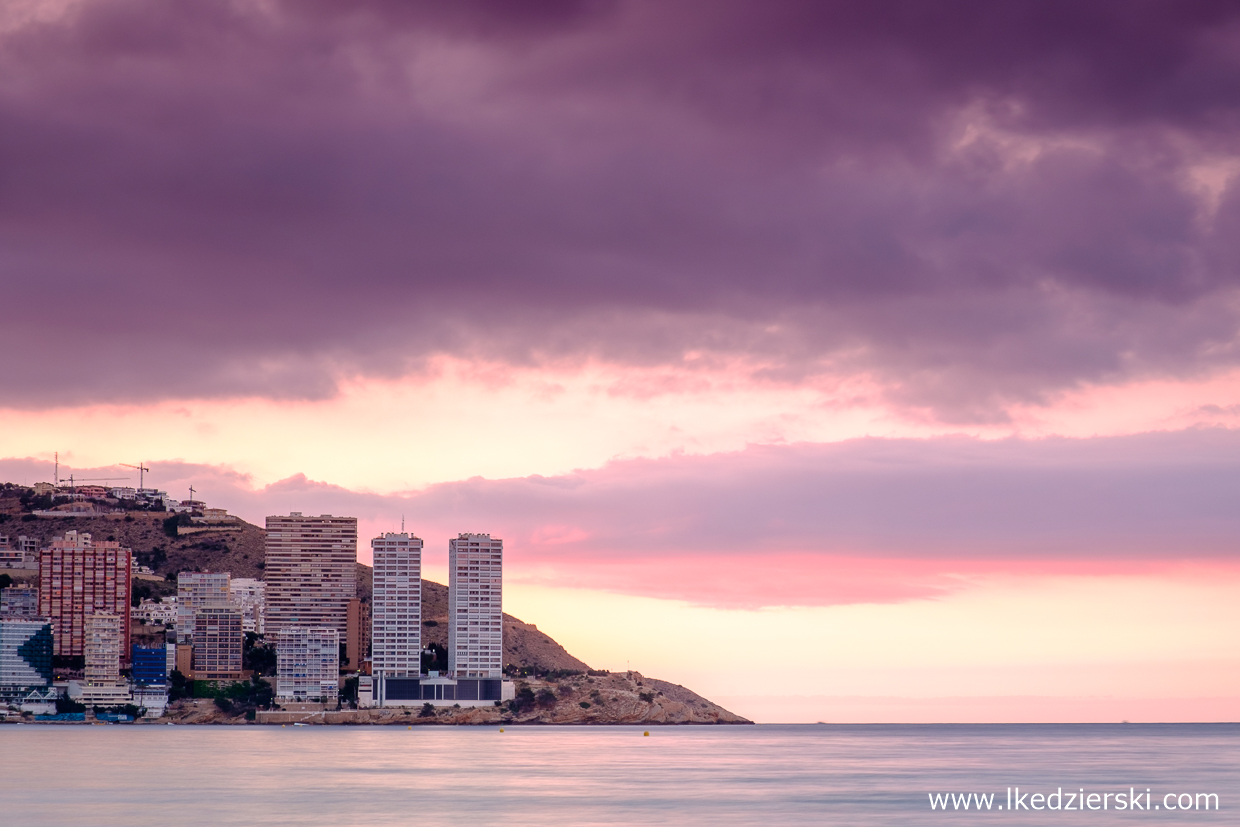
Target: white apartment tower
{"points": [[396, 607], [311, 571], [103, 649], [199, 590], [307, 664], [103, 641], [475, 610]]}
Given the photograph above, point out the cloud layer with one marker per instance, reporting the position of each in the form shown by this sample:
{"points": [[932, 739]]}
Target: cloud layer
{"points": [[856, 521], [975, 204]]}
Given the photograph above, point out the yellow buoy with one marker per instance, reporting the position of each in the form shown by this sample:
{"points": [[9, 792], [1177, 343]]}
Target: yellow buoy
{"points": [[501, 729], [646, 734], [408, 727]]}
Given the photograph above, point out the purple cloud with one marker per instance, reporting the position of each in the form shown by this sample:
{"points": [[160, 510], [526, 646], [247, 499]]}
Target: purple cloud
{"points": [[258, 199], [860, 520]]}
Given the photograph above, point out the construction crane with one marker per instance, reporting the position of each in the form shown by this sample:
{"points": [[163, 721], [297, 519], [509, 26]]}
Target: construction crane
{"points": [[140, 468]]}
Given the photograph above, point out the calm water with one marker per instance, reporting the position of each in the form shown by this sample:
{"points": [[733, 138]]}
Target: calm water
{"points": [[766, 775]]}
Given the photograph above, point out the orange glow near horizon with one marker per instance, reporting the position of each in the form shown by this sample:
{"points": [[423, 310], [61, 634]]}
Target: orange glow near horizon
{"points": [[1086, 648], [399, 435]]}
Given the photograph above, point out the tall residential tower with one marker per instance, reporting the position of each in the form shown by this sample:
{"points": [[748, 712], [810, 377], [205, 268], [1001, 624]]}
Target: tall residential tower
{"points": [[396, 612], [475, 607], [311, 572], [78, 578]]}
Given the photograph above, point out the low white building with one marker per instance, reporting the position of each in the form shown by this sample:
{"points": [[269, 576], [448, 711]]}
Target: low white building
{"points": [[210, 516], [40, 701], [307, 664], [164, 612], [153, 495], [154, 699]]}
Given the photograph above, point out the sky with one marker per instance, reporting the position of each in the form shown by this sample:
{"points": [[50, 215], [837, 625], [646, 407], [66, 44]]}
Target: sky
{"points": [[868, 362]]}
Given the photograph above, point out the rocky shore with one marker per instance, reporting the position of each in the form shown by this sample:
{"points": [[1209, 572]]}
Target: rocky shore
{"points": [[620, 698]]}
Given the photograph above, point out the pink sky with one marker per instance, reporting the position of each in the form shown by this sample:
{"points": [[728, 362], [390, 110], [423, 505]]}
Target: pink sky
{"points": [[889, 346]]}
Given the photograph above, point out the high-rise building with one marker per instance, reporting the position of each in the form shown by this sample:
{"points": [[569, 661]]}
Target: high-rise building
{"points": [[199, 590], [105, 640], [103, 649], [79, 578], [475, 607], [25, 657], [217, 643], [396, 607], [311, 571], [19, 601], [307, 664]]}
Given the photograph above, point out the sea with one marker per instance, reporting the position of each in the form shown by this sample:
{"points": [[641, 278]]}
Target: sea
{"points": [[134, 776]]}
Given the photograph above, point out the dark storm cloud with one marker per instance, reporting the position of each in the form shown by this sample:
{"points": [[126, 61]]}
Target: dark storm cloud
{"points": [[978, 203]]}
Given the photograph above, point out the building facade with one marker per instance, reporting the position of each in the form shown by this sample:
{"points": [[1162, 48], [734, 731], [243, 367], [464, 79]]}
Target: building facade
{"points": [[25, 657], [164, 611], [217, 645], [357, 638], [311, 571], [29, 547], [105, 645], [19, 601], [11, 557], [396, 607], [307, 664], [150, 666], [78, 578], [475, 607], [199, 590]]}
